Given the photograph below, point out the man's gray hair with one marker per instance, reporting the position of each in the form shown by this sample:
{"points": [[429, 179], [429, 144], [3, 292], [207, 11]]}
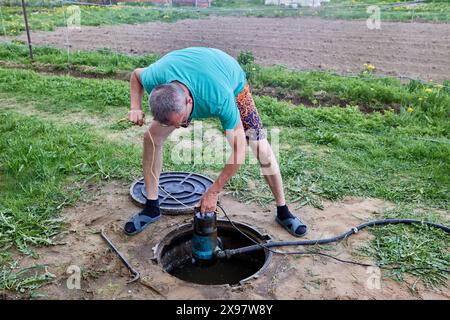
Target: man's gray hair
{"points": [[166, 98]]}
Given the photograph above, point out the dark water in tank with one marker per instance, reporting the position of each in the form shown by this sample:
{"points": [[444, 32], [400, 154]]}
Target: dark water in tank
{"points": [[222, 271]]}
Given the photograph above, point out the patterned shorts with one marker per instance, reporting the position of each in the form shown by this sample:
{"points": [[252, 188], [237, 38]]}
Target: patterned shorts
{"points": [[251, 121]]}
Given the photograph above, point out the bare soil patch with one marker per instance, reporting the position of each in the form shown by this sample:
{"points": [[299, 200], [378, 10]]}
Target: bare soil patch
{"points": [[416, 50], [288, 277]]}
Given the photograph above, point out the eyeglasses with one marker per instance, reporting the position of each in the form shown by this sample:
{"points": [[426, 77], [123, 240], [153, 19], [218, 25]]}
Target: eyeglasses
{"points": [[183, 124], [186, 123]]}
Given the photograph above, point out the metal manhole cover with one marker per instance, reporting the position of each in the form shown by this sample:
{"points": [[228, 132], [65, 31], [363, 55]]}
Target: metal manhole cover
{"points": [[186, 187]]}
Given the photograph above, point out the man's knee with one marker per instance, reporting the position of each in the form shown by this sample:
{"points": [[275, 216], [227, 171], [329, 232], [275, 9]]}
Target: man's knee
{"points": [[262, 151], [266, 159]]}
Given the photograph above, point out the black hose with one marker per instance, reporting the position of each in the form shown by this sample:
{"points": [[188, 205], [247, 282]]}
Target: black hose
{"points": [[230, 252]]}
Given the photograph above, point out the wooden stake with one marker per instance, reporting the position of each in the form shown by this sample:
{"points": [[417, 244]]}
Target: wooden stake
{"points": [[24, 10]]}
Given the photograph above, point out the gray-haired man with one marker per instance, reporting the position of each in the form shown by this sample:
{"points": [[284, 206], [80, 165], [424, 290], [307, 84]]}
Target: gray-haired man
{"points": [[196, 83]]}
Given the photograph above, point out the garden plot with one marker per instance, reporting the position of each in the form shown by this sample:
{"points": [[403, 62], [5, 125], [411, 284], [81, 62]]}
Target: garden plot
{"points": [[416, 50]]}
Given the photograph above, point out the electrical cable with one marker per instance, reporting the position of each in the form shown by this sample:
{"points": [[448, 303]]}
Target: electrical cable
{"points": [[258, 246], [267, 246]]}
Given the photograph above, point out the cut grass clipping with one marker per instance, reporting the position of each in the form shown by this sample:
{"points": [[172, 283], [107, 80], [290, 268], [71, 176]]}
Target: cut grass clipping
{"points": [[25, 280], [413, 248]]}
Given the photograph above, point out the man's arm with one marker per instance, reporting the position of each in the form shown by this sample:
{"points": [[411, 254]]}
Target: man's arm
{"points": [[237, 141], [136, 114]]}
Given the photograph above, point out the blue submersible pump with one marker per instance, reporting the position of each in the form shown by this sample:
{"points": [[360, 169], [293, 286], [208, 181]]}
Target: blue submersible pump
{"points": [[204, 240]]}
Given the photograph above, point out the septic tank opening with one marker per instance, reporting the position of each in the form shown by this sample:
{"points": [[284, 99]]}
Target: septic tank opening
{"points": [[174, 254]]}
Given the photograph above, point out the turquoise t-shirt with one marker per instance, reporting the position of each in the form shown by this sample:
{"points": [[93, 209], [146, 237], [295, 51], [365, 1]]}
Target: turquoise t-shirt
{"points": [[213, 77]]}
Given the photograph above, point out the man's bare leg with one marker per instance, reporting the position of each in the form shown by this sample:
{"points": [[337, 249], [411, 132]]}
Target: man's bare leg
{"points": [[270, 169], [151, 165], [271, 172], [154, 138]]}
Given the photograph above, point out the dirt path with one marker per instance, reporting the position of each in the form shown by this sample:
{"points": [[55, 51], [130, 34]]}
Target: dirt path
{"points": [[288, 277], [417, 50]]}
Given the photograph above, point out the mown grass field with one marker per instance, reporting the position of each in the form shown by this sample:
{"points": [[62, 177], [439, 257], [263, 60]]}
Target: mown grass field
{"points": [[342, 136], [46, 16]]}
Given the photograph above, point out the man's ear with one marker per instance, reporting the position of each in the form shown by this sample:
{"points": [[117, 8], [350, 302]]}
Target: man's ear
{"points": [[188, 100]]}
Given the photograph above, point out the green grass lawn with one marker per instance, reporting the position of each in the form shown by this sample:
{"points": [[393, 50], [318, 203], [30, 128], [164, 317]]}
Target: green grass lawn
{"points": [[47, 18], [399, 155], [314, 89], [326, 153], [396, 144], [88, 63], [43, 168]]}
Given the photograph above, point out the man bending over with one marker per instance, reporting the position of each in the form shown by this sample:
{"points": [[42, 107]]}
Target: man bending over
{"points": [[198, 83]]}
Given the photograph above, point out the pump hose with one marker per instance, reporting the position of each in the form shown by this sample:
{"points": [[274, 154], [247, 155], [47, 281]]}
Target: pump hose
{"points": [[230, 252]]}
